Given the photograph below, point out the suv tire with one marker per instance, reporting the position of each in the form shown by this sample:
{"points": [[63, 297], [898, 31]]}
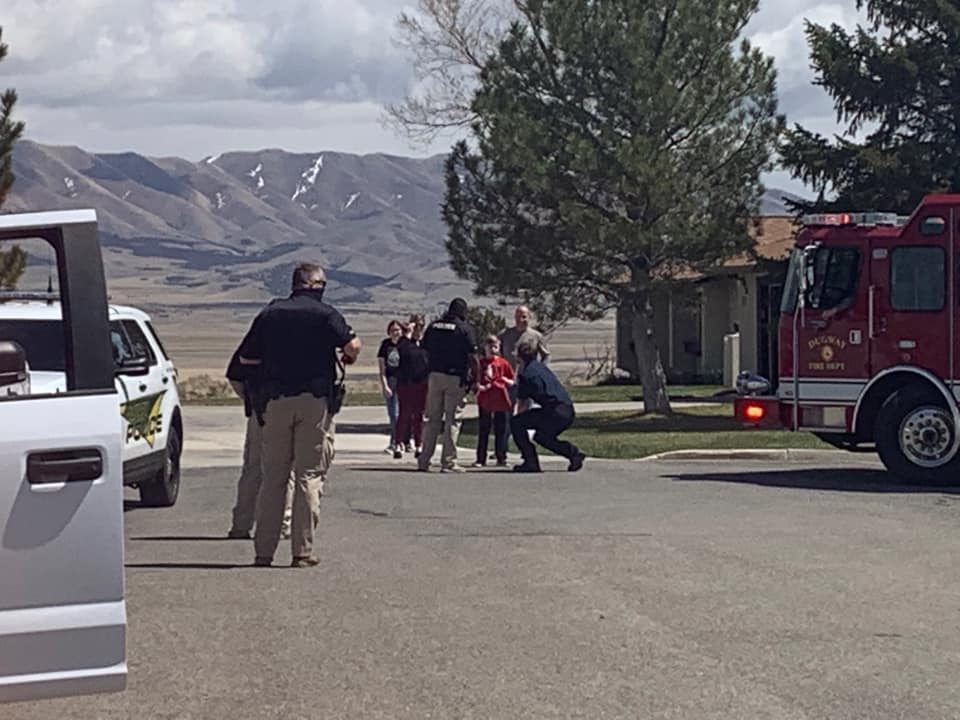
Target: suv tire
{"points": [[163, 491]]}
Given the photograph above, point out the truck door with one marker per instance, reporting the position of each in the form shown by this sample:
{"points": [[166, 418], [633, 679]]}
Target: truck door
{"points": [[62, 611], [832, 353], [910, 282]]}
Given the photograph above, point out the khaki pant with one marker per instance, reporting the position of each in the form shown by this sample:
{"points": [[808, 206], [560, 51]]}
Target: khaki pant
{"points": [[251, 478], [298, 436], [445, 393]]}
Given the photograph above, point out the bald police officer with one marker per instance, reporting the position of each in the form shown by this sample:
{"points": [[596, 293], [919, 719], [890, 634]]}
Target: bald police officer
{"points": [[295, 342], [451, 345]]}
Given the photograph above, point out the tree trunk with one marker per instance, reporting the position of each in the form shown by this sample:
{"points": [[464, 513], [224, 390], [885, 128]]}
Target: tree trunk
{"points": [[652, 376]]}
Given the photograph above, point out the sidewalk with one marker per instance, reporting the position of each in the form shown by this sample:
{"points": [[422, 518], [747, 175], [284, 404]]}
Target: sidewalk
{"points": [[213, 435]]}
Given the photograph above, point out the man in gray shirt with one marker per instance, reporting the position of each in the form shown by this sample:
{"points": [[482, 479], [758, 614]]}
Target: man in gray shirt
{"points": [[521, 331]]}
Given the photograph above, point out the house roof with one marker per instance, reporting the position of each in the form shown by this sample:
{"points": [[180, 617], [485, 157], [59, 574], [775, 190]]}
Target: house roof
{"points": [[773, 240]]}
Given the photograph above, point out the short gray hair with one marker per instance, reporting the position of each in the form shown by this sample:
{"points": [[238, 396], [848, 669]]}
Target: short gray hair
{"points": [[306, 274]]}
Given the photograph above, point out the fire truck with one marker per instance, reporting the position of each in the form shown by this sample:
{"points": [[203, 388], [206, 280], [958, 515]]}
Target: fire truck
{"points": [[868, 340]]}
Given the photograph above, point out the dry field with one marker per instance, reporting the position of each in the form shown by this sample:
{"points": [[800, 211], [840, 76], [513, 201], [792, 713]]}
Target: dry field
{"points": [[200, 341]]}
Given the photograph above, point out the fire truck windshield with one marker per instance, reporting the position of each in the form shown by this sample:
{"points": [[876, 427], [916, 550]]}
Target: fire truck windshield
{"points": [[791, 287]]}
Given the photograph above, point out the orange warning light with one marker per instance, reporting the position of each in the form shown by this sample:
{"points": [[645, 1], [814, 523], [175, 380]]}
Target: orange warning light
{"points": [[754, 412]]}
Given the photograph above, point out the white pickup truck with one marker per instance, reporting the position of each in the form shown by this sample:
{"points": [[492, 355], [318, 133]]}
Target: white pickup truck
{"points": [[62, 610]]}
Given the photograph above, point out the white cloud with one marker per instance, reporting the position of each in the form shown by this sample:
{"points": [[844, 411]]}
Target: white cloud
{"points": [[196, 78]]}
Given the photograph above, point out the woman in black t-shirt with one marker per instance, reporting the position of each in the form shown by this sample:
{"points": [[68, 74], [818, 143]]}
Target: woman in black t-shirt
{"points": [[412, 385], [388, 357]]}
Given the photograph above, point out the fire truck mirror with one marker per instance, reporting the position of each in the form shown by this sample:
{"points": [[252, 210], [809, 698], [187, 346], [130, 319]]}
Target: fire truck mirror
{"points": [[809, 269]]}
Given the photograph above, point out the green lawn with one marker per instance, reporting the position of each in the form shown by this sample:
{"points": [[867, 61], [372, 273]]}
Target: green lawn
{"points": [[628, 393], [625, 435], [221, 394]]}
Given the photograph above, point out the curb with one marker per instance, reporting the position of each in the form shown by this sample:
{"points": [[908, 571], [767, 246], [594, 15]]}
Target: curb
{"points": [[783, 455]]}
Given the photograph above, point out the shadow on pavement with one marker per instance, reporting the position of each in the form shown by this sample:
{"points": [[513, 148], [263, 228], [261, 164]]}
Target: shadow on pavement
{"points": [[186, 566], [129, 505], [364, 429], [186, 538], [857, 481]]}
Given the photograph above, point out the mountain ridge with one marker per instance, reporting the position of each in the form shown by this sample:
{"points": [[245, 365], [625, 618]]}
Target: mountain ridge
{"points": [[235, 223]]}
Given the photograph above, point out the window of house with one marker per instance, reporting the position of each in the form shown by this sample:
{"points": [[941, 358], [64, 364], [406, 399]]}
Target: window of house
{"points": [[917, 279]]}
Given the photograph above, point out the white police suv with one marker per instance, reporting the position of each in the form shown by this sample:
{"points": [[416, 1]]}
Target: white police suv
{"points": [[145, 377], [62, 610]]}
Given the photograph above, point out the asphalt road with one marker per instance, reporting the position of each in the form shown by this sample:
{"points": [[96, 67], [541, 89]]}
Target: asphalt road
{"points": [[632, 590]]}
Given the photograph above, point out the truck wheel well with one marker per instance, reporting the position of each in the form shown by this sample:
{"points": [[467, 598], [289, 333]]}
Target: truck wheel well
{"points": [[877, 395]]}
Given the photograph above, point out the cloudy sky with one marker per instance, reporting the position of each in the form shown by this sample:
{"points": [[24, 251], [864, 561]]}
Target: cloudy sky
{"points": [[197, 77]]}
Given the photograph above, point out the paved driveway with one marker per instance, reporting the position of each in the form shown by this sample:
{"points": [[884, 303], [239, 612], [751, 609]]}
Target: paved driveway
{"points": [[632, 590]]}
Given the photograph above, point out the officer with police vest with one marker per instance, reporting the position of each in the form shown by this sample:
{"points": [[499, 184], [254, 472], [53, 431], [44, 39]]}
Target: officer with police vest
{"points": [[295, 343], [451, 345]]}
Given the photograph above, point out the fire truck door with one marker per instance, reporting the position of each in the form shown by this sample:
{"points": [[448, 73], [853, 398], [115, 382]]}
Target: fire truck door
{"points": [[911, 312], [833, 349]]}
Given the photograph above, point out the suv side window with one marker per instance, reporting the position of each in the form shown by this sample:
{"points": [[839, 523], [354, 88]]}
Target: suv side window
{"points": [[122, 350], [917, 279], [138, 341], [156, 339]]}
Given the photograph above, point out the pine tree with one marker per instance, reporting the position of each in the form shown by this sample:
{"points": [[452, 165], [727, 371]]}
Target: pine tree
{"points": [[10, 132], [896, 79], [485, 321], [13, 261], [616, 143]]}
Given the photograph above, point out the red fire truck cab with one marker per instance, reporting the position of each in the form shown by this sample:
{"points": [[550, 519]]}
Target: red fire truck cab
{"points": [[869, 341]]}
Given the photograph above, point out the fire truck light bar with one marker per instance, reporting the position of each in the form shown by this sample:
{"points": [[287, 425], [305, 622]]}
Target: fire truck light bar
{"points": [[866, 219]]}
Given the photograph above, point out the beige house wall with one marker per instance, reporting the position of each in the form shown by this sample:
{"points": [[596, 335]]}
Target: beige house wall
{"points": [[690, 325]]}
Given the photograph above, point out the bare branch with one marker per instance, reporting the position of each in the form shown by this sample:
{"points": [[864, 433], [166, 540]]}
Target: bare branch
{"points": [[449, 42]]}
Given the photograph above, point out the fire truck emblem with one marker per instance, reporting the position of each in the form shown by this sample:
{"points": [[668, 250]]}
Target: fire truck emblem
{"points": [[827, 347]]}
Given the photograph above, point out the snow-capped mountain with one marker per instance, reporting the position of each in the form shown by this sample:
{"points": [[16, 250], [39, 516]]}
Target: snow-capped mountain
{"points": [[235, 224]]}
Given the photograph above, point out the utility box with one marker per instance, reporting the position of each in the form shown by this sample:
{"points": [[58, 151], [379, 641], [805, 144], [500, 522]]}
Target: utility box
{"points": [[731, 359]]}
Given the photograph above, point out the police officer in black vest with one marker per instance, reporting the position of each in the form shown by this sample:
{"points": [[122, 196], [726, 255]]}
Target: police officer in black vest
{"points": [[294, 342], [451, 344]]}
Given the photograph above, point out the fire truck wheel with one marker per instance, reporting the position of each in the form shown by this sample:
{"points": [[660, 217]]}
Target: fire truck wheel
{"points": [[914, 436]]}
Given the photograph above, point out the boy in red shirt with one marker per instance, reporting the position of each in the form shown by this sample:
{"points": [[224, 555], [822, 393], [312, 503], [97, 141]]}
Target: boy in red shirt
{"points": [[493, 398]]}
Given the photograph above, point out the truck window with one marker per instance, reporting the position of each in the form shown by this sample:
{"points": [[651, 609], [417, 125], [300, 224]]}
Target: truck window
{"points": [[33, 357], [837, 269], [791, 288], [917, 279], [42, 342]]}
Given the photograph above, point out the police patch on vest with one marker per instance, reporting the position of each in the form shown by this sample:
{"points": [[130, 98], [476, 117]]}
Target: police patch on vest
{"points": [[445, 326]]}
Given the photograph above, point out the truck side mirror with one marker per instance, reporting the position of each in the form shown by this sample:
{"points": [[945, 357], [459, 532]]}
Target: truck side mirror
{"points": [[14, 378]]}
